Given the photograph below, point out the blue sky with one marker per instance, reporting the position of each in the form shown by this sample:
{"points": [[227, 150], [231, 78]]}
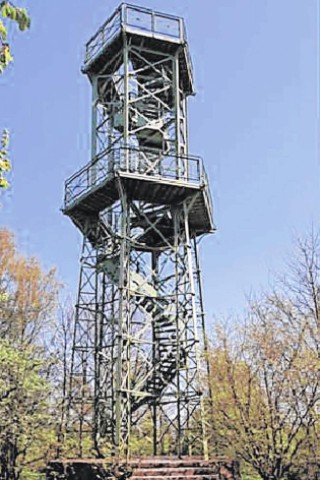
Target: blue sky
{"points": [[254, 120]]}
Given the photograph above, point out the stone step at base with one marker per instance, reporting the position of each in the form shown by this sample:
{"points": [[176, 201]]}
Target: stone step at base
{"points": [[185, 468], [177, 476], [168, 472], [168, 463], [144, 468]]}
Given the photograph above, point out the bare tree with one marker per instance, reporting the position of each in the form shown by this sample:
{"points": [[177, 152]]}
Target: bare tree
{"points": [[265, 378], [28, 296], [27, 313], [61, 352]]}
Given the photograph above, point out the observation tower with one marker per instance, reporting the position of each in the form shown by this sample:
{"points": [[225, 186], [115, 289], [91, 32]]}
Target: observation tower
{"points": [[141, 204]]}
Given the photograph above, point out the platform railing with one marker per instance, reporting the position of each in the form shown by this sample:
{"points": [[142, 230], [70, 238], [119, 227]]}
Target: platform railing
{"points": [[140, 163], [144, 20], [208, 194], [103, 37], [138, 20]]}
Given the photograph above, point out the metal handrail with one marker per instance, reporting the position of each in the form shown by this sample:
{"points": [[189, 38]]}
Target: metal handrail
{"points": [[139, 162], [119, 19], [104, 36], [208, 193]]}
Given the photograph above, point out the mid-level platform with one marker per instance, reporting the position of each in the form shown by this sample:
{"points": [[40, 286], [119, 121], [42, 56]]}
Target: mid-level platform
{"points": [[156, 179]]}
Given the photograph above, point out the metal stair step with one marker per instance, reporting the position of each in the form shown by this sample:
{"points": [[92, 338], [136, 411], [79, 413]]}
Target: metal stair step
{"points": [[177, 476]]}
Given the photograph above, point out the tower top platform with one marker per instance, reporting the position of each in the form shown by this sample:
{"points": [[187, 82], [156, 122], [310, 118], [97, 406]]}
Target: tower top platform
{"points": [[157, 31]]}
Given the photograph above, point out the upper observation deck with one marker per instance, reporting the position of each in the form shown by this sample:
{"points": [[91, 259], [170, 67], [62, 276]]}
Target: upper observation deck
{"points": [[147, 176], [155, 31]]}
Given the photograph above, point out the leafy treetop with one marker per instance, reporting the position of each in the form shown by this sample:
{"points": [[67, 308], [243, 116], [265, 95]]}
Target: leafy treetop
{"points": [[8, 11], [5, 164]]}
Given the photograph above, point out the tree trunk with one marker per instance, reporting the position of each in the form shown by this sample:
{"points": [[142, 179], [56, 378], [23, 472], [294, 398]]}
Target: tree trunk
{"points": [[8, 461]]}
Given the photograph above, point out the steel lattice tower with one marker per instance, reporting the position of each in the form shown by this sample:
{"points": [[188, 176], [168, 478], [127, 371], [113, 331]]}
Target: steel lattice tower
{"points": [[142, 203]]}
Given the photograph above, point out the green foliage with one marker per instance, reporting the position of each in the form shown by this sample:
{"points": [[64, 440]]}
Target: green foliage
{"points": [[245, 476], [265, 377], [24, 417], [141, 438], [10, 12], [5, 164], [27, 409]]}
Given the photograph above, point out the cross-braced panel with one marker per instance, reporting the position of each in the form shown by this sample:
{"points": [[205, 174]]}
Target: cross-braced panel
{"points": [[136, 374]]}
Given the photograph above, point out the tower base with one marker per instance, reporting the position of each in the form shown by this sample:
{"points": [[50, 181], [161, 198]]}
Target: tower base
{"points": [[145, 468]]}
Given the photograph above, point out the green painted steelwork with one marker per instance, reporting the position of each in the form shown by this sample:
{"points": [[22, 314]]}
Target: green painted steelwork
{"points": [[141, 203]]}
